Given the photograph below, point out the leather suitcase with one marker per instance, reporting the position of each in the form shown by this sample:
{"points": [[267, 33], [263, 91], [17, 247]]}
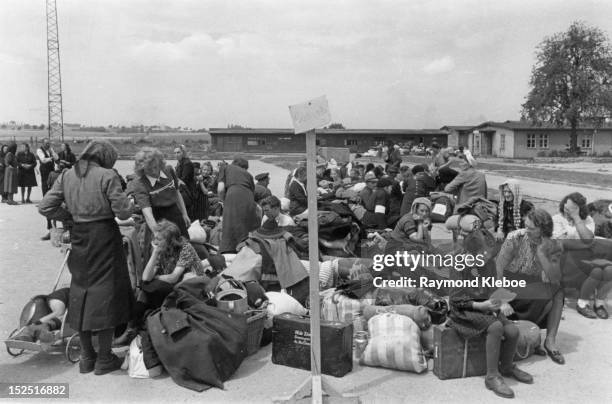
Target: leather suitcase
{"points": [[455, 357], [291, 344]]}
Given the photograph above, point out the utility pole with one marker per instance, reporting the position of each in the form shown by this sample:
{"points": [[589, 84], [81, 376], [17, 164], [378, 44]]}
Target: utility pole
{"points": [[56, 117]]}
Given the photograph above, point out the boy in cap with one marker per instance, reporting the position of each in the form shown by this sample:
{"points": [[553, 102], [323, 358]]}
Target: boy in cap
{"points": [[261, 188]]}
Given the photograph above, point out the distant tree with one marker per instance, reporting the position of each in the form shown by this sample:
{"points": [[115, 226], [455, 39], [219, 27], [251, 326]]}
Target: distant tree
{"points": [[571, 82], [336, 125]]}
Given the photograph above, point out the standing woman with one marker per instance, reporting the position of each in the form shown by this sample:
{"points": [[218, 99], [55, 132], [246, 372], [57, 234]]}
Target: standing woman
{"points": [[27, 177], [10, 173], [469, 182], [156, 192], [100, 291], [66, 156], [3, 151], [236, 188]]}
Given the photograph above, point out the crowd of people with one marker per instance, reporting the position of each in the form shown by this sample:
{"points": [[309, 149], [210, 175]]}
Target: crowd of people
{"points": [[395, 202]]}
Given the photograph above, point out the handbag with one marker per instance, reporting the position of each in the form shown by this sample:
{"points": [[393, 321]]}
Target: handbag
{"points": [[529, 339]]}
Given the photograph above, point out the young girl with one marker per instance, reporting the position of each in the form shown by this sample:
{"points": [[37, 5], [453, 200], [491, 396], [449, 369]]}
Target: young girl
{"points": [[472, 313]]}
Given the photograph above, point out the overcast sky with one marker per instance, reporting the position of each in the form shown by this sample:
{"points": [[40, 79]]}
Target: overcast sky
{"points": [[198, 63]]}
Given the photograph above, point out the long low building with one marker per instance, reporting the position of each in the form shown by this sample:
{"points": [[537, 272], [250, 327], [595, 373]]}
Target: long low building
{"points": [[285, 141]]}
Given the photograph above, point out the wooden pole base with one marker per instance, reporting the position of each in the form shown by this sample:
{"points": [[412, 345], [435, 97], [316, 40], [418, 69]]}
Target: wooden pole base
{"points": [[306, 391]]}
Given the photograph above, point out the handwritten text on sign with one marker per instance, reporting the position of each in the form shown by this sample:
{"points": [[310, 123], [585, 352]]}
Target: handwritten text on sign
{"points": [[310, 114]]}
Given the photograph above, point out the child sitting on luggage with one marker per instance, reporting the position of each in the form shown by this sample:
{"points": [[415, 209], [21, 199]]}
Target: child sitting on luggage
{"points": [[472, 312], [42, 328]]}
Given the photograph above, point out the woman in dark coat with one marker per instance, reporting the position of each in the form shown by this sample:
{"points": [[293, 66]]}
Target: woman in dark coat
{"points": [[100, 291], [236, 188], [3, 151], [27, 177], [66, 156], [10, 173]]}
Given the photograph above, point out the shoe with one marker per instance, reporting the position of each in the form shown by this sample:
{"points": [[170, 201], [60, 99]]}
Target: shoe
{"points": [[28, 201], [499, 386], [586, 311], [11, 203], [518, 375], [555, 355], [601, 312], [46, 237], [104, 366], [87, 365], [126, 338]]}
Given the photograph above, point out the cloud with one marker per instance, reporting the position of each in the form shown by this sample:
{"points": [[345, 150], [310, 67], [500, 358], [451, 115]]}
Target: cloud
{"points": [[441, 65]]}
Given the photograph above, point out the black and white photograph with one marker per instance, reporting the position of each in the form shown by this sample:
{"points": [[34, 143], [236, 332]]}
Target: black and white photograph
{"points": [[341, 201]]}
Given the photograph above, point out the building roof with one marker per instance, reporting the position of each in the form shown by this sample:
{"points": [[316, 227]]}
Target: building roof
{"points": [[526, 125], [259, 131], [457, 127]]}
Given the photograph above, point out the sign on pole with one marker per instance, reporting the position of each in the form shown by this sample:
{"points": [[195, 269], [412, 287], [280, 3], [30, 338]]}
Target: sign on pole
{"points": [[310, 115]]}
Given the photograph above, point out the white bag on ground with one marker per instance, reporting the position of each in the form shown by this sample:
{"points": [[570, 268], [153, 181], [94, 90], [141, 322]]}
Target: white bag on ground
{"points": [[197, 234], [394, 344], [135, 359], [279, 303]]}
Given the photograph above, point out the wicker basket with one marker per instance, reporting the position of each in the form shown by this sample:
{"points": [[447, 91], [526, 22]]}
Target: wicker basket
{"points": [[255, 324]]}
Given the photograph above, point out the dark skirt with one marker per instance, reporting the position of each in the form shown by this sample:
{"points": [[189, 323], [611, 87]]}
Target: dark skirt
{"points": [[239, 217], [534, 301], [470, 323], [575, 263], [10, 180], [100, 291], [27, 177]]}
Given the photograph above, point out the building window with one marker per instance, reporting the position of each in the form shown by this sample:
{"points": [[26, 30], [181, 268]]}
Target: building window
{"points": [[502, 142], [587, 142], [543, 141], [350, 142], [256, 141], [531, 141]]}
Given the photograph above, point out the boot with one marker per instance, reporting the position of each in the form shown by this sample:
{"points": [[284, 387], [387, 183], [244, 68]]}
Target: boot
{"points": [[107, 365]]}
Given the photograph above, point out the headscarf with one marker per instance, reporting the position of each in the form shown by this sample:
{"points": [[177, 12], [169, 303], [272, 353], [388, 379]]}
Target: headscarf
{"points": [[420, 201], [515, 188], [101, 152]]}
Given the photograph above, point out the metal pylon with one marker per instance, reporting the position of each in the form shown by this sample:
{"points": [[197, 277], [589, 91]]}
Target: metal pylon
{"points": [[56, 117]]}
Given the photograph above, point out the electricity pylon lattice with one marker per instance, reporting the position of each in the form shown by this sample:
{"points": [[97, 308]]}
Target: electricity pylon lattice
{"points": [[56, 117]]}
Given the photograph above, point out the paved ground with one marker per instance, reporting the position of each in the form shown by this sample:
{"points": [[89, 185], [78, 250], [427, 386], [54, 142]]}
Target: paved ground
{"points": [[28, 266]]}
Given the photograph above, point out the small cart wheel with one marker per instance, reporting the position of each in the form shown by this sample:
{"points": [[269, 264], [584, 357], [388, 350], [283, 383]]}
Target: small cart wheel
{"points": [[73, 348], [11, 351]]}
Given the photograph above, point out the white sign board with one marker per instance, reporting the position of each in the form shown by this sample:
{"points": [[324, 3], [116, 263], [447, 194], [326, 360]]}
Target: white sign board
{"points": [[310, 114]]}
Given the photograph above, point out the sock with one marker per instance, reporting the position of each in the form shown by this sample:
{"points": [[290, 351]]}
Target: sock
{"points": [[600, 302], [582, 303]]}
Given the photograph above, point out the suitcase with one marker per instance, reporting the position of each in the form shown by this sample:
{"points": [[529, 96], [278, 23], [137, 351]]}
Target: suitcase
{"points": [[291, 344], [455, 357]]}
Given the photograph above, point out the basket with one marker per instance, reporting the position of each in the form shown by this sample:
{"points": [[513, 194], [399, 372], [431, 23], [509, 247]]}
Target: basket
{"points": [[255, 327]]}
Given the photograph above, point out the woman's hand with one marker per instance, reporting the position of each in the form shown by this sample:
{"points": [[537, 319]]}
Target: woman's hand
{"points": [[187, 221], [490, 305], [572, 210], [499, 235]]}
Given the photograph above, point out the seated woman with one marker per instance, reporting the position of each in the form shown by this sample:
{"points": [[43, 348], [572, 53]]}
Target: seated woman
{"points": [[576, 230], [41, 328], [530, 254], [472, 313], [172, 258], [512, 209]]}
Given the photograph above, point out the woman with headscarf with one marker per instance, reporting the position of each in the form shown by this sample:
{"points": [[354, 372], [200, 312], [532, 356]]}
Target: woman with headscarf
{"points": [[469, 182], [236, 189], [512, 208], [10, 173], [100, 291], [27, 177]]}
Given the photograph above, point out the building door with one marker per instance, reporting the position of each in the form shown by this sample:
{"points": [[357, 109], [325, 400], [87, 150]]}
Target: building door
{"points": [[487, 143]]}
